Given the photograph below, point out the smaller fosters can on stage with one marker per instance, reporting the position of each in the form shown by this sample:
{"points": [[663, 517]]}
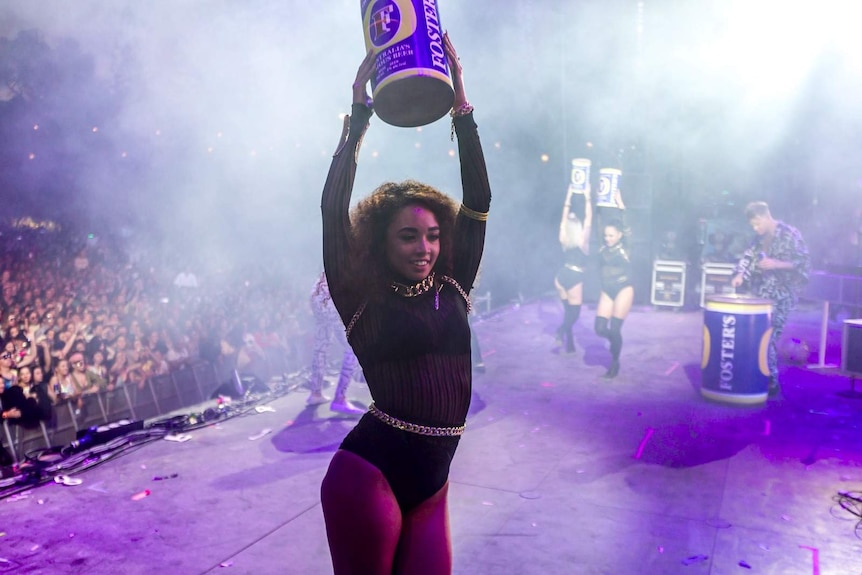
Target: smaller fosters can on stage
{"points": [[736, 332], [411, 86], [609, 183], [580, 175]]}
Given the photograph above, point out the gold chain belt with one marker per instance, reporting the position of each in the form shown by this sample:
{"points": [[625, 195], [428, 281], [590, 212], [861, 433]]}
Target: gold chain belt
{"points": [[414, 428]]}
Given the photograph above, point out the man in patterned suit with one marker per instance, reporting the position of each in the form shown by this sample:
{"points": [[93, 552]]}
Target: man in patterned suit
{"points": [[328, 326], [774, 267]]}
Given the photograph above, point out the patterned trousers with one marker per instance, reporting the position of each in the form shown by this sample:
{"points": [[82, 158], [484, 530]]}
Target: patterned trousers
{"points": [[328, 326], [780, 310]]}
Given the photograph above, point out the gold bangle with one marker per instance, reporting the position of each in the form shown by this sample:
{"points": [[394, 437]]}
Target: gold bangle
{"points": [[473, 214]]}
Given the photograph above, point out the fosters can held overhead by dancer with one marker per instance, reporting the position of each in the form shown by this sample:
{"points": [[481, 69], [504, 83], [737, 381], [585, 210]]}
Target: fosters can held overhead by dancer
{"points": [[411, 86], [580, 175], [609, 183]]}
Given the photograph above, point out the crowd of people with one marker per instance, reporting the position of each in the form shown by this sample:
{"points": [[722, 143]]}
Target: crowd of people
{"points": [[92, 318]]}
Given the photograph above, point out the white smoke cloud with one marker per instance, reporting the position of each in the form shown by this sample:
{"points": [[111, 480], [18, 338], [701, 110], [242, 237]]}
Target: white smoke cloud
{"points": [[247, 95]]}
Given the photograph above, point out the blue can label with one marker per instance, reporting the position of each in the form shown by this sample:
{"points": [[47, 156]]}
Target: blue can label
{"points": [[609, 181], [406, 37], [735, 352], [580, 175]]}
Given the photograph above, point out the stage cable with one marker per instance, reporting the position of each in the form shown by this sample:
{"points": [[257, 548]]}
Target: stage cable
{"points": [[851, 502], [43, 466]]}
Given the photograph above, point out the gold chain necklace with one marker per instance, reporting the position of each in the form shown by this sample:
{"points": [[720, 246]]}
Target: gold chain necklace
{"points": [[420, 288], [415, 289]]}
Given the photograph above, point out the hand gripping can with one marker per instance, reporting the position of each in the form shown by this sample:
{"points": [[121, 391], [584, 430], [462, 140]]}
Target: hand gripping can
{"points": [[411, 86], [580, 175], [609, 183]]}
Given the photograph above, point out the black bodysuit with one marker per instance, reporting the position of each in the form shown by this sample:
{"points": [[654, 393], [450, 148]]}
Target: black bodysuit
{"points": [[616, 269], [414, 352], [573, 269]]}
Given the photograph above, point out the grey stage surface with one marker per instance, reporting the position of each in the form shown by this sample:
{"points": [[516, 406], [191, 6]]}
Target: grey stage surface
{"points": [[560, 471]]}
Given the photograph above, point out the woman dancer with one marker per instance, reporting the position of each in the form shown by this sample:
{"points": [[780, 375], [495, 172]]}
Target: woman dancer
{"points": [[575, 240], [399, 274], [618, 293]]}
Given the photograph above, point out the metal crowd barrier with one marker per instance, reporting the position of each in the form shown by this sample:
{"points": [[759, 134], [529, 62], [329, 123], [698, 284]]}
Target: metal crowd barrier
{"points": [[185, 386]]}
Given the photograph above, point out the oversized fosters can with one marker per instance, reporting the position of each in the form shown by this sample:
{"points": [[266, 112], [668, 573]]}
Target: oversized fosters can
{"points": [[411, 86], [580, 175], [736, 333], [609, 183]]}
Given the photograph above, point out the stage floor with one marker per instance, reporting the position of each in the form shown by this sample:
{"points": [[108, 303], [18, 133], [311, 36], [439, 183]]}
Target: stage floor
{"points": [[560, 471]]}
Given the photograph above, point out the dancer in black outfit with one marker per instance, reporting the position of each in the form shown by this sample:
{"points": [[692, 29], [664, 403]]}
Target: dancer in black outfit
{"points": [[400, 268], [618, 293], [575, 241]]}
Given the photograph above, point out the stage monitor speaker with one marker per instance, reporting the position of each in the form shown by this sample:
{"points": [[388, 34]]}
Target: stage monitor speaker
{"points": [[851, 347], [239, 386], [715, 280], [668, 283]]}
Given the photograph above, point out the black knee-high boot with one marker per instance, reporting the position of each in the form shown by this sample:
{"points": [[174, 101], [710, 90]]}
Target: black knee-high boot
{"points": [[573, 312], [601, 327], [616, 338], [562, 329]]}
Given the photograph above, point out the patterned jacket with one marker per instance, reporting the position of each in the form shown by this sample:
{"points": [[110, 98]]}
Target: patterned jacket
{"points": [[786, 245]]}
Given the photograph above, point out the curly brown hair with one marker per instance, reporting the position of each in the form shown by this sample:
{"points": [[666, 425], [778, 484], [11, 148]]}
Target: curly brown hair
{"points": [[370, 221]]}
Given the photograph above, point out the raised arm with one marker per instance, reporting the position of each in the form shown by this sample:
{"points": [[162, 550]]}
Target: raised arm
{"points": [[69, 342], [618, 199], [470, 223], [588, 219], [621, 213], [335, 203], [567, 205]]}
